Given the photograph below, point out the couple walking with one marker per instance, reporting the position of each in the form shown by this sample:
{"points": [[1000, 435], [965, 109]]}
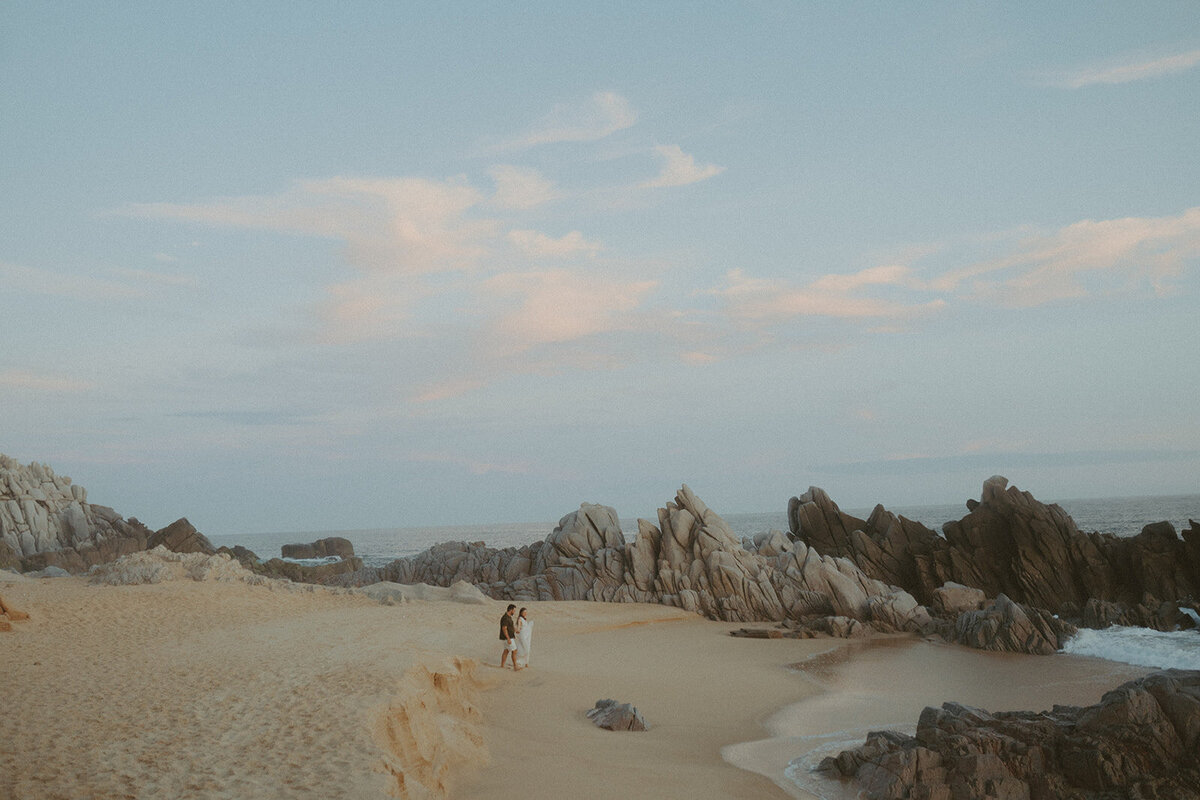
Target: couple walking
{"points": [[517, 635]]}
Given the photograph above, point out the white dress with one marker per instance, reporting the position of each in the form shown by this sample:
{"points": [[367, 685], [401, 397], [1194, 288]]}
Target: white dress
{"points": [[524, 641]]}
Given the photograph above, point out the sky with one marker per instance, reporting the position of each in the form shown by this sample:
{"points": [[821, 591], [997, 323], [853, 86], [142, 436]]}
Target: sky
{"points": [[313, 266]]}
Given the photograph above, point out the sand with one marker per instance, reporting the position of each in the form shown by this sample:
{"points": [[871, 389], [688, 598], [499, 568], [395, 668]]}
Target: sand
{"points": [[193, 689]]}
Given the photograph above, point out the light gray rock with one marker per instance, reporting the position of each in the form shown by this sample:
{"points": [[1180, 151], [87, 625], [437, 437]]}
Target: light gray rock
{"points": [[614, 716]]}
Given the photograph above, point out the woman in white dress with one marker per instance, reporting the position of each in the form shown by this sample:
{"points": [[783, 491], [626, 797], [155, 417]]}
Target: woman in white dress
{"points": [[524, 638]]}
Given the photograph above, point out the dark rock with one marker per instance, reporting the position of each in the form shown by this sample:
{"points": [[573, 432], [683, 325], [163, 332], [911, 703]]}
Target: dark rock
{"points": [[302, 573], [1142, 740], [321, 548], [1009, 627], [614, 716], [1011, 544], [181, 537]]}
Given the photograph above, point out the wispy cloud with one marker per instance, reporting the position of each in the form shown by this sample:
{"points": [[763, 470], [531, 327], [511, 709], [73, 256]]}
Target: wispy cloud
{"points": [[405, 225], [560, 305], [680, 169], [1127, 71], [520, 188], [758, 300], [601, 115], [473, 465], [33, 280], [539, 245], [1116, 255]]}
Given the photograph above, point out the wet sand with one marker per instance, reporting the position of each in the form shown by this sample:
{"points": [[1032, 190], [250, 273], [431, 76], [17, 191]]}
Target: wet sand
{"points": [[886, 683]]}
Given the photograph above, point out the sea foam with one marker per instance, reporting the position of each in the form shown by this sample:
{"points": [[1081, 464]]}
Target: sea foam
{"points": [[1141, 646]]}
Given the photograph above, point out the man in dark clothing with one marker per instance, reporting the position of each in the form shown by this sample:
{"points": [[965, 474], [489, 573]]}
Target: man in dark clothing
{"points": [[508, 636]]}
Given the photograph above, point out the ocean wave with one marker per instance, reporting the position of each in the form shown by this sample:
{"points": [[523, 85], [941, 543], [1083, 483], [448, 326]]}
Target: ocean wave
{"points": [[1141, 646]]}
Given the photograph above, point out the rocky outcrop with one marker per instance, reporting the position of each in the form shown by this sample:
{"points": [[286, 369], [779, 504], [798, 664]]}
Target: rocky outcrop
{"points": [[1142, 740], [45, 521], [181, 537], [614, 716], [328, 572], [329, 547], [1012, 628], [690, 559], [1010, 544], [160, 565]]}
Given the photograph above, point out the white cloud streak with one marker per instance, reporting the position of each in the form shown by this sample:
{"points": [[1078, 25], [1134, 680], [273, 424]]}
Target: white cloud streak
{"points": [[539, 245], [1128, 72], [758, 300], [1128, 253], [601, 115]]}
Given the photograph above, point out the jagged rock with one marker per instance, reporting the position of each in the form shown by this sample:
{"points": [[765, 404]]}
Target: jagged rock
{"points": [[329, 547], [181, 537], [46, 521], [1011, 544], [1009, 627], [160, 564], [690, 560], [614, 716], [1142, 740]]}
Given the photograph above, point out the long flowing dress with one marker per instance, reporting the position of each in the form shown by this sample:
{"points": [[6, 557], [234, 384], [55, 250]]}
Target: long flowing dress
{"points": [[524, 641]]}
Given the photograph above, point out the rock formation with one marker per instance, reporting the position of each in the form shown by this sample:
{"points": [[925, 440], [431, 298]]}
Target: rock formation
{"points": [[1011, 544], [181, 537], [614, 716], [340, 552], [1142, 740], [329, 547], [690, 560], [45, 520]]}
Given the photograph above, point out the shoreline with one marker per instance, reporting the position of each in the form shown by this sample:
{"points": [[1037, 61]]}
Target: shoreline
{"points": [[885, 682], [221, 690]]}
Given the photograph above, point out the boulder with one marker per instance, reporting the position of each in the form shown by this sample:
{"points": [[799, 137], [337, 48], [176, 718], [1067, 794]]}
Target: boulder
{"points": [[329, 547], [1010, 627], [953, 599], [614, 716], [181, 537]]}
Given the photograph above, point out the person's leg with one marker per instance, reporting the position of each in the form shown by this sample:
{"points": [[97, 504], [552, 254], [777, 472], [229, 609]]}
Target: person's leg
{"points": [[503, 656]]}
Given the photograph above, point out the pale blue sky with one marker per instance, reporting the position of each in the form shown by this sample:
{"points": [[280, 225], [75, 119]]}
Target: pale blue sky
{"points": [[292, 266]]}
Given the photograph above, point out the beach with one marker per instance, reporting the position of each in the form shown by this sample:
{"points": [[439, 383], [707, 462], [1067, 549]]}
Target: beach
{"points": [[208, 689]]}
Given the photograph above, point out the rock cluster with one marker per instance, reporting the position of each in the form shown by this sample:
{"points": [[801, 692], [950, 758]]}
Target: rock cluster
{"points": [[45, 520], [690, 560], [1010, 544], [160, 564], [1142, 740], [614, 716], [338, 551]]}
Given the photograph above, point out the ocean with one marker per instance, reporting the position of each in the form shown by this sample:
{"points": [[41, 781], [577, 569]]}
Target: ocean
{"points": [[1119, 516]]}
